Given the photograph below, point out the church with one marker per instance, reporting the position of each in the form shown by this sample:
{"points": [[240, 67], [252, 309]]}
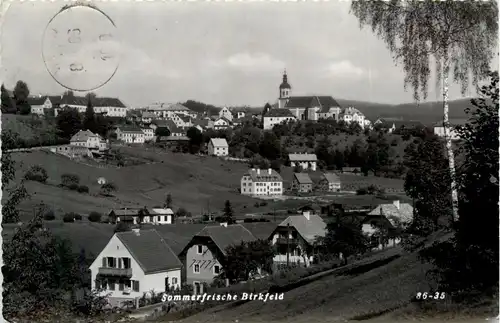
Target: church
{"points": [[306, 107]]}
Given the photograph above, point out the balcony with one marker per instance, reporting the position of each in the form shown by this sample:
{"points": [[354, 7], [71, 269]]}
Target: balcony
{"points": [[283, 240], [116, 272]]}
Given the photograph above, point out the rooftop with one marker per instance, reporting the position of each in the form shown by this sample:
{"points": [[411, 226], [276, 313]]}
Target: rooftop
{"points": [[262, 175], [219, 142], [303, 178], [302, 157]]}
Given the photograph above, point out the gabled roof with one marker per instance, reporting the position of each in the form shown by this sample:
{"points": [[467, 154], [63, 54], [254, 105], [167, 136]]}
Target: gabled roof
{"points": [[167, 124], [324, 102], [264, 175], [308, 229], [260, 230], [331, 177], [279, 113], [167, 107], [351, 111], [404, 214], [83, 135], [36, 100], [184, 118], [225, 119], [150, 250], [302, 157], [224, 236], [96, 102], [147, 114], [302, 178], [219, 142]]}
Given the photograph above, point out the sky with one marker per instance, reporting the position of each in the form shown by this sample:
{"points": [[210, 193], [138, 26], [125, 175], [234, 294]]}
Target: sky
{"points": [[221, 53]]}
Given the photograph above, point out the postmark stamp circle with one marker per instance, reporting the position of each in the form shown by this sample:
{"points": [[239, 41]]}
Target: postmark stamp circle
{"points": [[80, 48]]}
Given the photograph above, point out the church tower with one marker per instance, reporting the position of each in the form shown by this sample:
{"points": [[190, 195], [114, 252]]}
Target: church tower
{"points": [[285, 90]]}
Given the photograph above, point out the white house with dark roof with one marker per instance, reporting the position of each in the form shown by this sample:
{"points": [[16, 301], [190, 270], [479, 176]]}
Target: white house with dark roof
{"points": [[149, 133], [276, 116], [258, 182], [454, 123], [307, 107], [154, 215], [305, 161], [225, 112], [294, 239], [111, 107], [352, 114], [218, 147], [222, 123], [130, 134], [88, 139], [134, 263], [302, 183], [329, 182], [167, 110]]}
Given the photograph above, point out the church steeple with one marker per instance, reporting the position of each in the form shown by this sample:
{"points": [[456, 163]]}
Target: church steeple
{"points": [[285, 88]]}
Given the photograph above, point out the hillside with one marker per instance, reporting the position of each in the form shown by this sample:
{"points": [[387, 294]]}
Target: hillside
{"points": [[28, 126]]}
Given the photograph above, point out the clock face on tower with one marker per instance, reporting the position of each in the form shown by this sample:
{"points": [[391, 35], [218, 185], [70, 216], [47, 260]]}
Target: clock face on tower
{"points": [[80, 48]]}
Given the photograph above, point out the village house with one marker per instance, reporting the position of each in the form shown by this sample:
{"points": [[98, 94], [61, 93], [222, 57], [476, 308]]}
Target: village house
{"points": [[302, 183], [238, 114], [167, 110], [147, 117], [72, 151], [352, 114], [222, 123], [181, 120], [329, 182], [130, 134], [155, 215], [42, 103], [454, 123], [218, 147], [149, 133], [225, 112], [88, 139], [204, 256], [305, 161], [388, 217], [392, 124], [203, 124], [351, 170], [111, 107], [167, 124], [262, 182], [276, 116], [135, 263], [294, 239]]}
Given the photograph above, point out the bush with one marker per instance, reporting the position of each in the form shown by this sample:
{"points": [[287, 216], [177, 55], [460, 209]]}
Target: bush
{"points": [[69, 217], [73, 187], [107, 189], [70, 179], [49, 215], [83, 189], [95, 216], [122, 227], [36, 173], [78, 217]]}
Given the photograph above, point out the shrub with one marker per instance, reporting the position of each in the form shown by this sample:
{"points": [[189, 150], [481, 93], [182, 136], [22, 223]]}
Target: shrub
{"points": [[69, 179], [107, 189], [95, 216], [49, 215], [78, 217], [69, 217], [36, 173], [73, 186], [122, 227], [83, 189]]}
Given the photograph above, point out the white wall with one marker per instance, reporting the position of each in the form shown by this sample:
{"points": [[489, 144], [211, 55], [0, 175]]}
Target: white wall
{"points": [[156, 282]]}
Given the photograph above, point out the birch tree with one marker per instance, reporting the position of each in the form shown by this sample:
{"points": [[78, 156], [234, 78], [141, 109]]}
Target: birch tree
{"points": [[458, 37]]}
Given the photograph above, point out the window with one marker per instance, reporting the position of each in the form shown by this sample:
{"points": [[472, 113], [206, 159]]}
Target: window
{"points": [[197, 288], [196, 269], [111, 284], [174, 280], [199, 249], [216, 269], [167, 287], [136, 285]]}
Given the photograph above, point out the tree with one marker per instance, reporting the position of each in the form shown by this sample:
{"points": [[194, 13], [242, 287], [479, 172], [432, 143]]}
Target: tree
{"points": [[467, 265], [36, 173], [21, 93], [95, 216], [270, 147], [68, 180], [195, 139], [107, 189], [459, 36], [228, 213], [246, 258], [8, 104], [428, 183], [68, 122], [122, 227], [89, 119], [162, 132], [168, 201]]}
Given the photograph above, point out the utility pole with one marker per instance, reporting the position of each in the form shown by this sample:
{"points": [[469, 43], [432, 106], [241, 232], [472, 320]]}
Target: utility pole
{"points": [[288, 245]]}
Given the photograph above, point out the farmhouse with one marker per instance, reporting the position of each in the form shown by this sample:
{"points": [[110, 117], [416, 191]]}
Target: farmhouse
{"points": [[397, 213], [454, 123], [306, 107], [261, 182], [294, 239], [134, 263], [222, 123], [88, 139], [302, 183], [226, 113], [204, 256], [155, 215], [329, 182], [305, 161], [218, 147], [130, 134], [276, 116]]}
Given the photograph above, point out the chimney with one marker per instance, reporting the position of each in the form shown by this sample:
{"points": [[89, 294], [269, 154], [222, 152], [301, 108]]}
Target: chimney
{"points": [[258, 171], [137, 231], [396, 203], [307, 214], [223, 224], [270, 171]]}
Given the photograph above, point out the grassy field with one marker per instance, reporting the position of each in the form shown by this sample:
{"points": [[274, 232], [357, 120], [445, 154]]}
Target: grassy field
{"points": [[27, 126], [196, 183]]}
